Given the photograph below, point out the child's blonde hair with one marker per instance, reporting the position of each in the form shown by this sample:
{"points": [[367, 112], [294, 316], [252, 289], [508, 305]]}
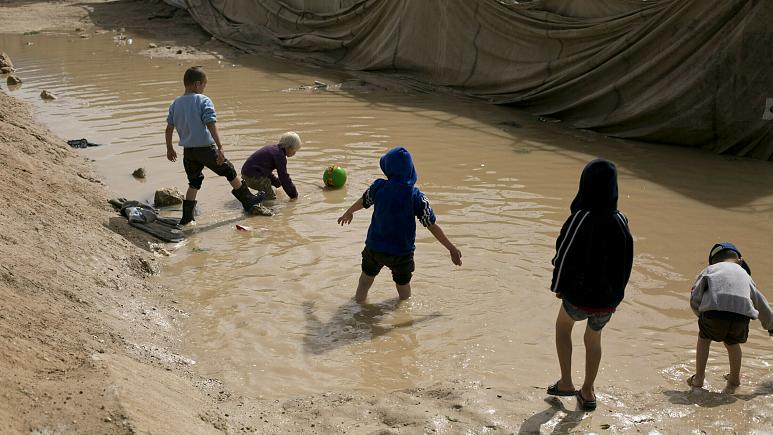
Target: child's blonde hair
{"points": [[290, 141]]}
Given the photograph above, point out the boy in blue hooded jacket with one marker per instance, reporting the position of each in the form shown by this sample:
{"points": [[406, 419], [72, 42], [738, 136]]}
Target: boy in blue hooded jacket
{"points": [[392, 232]]}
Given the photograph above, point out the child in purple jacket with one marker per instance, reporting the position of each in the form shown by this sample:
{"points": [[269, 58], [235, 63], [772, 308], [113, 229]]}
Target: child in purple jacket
{"points": [[258, 170]]}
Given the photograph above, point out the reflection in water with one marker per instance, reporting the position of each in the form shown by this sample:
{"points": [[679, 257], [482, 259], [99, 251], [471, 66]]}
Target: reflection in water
{"points": [[501, 184]]}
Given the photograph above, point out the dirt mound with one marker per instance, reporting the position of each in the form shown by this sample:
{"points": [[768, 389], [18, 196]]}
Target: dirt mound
{"points": [[73, 292]]}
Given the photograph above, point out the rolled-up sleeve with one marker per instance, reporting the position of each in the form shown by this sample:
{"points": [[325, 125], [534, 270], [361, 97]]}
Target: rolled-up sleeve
{"points": [[208, 114]]}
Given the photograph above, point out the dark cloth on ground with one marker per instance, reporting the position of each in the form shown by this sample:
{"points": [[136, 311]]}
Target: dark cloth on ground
{"points": [[145, 218]]}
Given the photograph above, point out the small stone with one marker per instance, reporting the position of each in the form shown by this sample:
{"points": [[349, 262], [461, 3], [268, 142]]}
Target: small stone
{"points": [[5, 61], [84, 36], [152, 45], [79, 29], [6, 70], [108, 419], [167, 196], [179, 52], [46, 95], [13, 79], [139, 173]]}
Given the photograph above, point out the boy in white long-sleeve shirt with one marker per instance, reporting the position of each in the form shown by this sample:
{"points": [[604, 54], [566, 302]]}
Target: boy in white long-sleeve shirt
{"points": [[725, 298]]}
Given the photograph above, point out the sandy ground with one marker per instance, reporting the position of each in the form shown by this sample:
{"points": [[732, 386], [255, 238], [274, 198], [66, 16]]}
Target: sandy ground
{"points": [[88, 344]]}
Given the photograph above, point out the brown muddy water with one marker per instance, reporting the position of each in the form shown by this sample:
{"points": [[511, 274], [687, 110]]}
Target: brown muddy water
{"points": [[270, 309]]}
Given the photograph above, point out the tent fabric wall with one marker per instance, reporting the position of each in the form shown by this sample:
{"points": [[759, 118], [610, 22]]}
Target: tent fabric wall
{"points": [[685, 72]]}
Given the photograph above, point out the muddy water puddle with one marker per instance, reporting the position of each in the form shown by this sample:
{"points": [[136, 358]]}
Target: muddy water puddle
{"points": [[270, 309]]}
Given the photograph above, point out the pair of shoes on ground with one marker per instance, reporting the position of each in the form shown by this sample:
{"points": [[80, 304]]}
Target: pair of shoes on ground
{"points": [[585, 404]]}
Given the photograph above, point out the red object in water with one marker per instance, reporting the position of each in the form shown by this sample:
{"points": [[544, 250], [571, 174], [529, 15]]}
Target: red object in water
{"points": [[243, 228]]}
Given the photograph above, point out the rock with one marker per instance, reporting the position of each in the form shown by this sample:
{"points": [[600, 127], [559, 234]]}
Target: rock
{"points": [[152, 45], [6, 70], [13, 79], [47, 95], [79, 29], [139, 173], [167, 196], [5, 61], [179, 52]]}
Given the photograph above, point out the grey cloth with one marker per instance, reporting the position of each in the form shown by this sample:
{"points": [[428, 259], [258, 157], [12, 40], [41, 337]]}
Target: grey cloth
{"points": [[140, 215], [727, 287], [687, 72]]}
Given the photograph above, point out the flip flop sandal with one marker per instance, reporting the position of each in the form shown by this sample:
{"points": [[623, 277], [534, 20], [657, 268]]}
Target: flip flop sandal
{"points": [[554, 391], [691, 382], [727, 378], [585, 405]]}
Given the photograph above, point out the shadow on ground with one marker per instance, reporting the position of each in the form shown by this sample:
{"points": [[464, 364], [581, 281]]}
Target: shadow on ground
{"points": [[351, 323]]}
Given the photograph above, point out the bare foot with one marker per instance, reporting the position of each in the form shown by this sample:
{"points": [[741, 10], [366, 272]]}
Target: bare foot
{"points": [[695, 382]]}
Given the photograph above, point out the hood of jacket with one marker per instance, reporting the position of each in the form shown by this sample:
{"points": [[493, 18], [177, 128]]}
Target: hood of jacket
{"points": [[598, 187], [397, 165]]}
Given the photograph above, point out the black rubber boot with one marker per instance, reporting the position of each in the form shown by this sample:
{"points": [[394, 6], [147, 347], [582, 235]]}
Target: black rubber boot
{"points": [[188, 207], [246, 197]]}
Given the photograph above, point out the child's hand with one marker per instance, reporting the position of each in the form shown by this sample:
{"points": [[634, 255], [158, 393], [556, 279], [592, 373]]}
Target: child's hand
{"points": [[456, 256], [220, 157], [346, 218], [171, 154]]}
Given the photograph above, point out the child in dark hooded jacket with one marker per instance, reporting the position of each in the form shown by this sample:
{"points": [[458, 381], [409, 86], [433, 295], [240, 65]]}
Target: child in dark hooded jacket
{"points": [[392, 232], [594, 255]]}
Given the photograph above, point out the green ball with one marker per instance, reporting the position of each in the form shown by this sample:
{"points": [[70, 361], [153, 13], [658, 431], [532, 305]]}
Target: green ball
{"points": [[334, 176]]}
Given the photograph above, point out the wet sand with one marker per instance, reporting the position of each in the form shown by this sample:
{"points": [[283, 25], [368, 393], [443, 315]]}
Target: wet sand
{"points": [[269, 310]]}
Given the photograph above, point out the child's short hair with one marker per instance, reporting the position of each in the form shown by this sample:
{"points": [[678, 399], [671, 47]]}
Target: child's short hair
{"points": [[290, 141], [194, 74], [723, 255]]}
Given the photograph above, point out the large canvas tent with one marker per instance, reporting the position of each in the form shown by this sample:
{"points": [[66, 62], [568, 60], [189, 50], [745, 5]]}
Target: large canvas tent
{"points": [[685, 72]]}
